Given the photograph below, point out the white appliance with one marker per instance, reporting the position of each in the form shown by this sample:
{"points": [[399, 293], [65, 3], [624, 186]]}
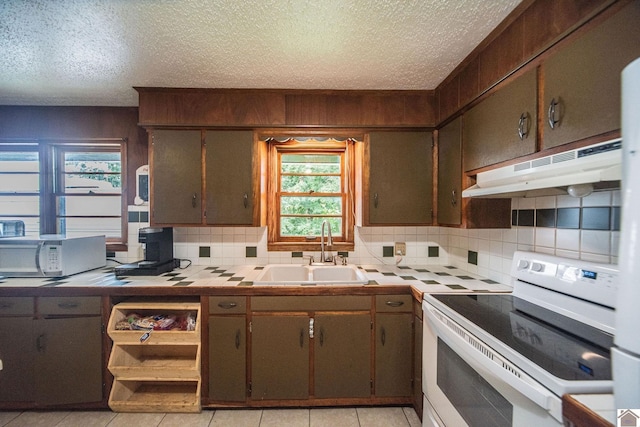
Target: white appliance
{"points": [[507, 359], [51, 255], [626, 354], [559, 173]]}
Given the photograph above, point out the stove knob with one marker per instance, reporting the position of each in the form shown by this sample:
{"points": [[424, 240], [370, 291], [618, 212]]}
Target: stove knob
{"points": [[523, 264], [536, 266]]}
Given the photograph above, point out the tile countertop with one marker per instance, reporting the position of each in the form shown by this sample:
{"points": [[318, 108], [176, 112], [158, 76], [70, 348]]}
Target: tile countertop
{"points": [[429, 279]]}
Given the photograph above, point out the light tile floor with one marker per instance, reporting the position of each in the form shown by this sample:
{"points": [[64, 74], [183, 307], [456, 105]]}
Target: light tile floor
{"points": [[315, 417]]}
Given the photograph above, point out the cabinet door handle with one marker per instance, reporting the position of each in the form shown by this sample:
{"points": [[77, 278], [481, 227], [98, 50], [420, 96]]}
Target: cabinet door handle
{"points": [[4, 305], [237, 339], [301, 338], [395, 303], [245, 200], [41, 343], [321, 337], [522, 126], [193, 200], [311, 320], [454, 200], [375, 200], [383, 336], [227, 305], [551, 113]]}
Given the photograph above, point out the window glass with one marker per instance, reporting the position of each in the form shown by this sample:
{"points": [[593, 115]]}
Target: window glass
{"points": [[19, 191]]}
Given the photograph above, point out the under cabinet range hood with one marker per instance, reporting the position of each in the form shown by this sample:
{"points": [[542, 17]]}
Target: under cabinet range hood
{"points": [[598, 164]]}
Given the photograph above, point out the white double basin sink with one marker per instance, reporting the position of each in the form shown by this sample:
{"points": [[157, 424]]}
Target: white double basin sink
{"points": [[291, 274]]}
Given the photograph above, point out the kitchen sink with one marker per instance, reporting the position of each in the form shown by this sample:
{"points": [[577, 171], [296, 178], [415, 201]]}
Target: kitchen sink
{"points": [[290, 274]]}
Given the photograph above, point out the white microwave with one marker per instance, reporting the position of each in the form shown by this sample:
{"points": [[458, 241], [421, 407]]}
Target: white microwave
{"points": [[51, 255]]}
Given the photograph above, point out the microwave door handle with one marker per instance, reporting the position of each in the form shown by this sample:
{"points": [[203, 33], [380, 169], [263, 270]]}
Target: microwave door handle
{"points": [[38, 250], [524, 385]]}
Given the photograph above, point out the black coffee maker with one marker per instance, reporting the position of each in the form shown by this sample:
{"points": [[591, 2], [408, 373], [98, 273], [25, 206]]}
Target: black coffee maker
{"points": [[158, 254]]}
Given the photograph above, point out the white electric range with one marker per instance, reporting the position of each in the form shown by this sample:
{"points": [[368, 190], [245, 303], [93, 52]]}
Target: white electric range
{"points": [[506, 360]]}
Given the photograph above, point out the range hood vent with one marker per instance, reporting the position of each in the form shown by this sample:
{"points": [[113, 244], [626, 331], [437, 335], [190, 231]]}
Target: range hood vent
{"points": [[598, 164]]}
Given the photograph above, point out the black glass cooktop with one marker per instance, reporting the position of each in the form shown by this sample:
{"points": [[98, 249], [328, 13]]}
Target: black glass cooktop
{"points": [[564, 347]]}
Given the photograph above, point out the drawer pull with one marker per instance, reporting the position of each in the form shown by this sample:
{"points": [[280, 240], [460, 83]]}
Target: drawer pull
{"points": [[4, 305], [227, 305], [68, 305], [395, 303]]}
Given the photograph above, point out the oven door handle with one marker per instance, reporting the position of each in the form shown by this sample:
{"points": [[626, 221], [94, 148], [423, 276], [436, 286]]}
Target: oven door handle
{"points": [[486, 361]]}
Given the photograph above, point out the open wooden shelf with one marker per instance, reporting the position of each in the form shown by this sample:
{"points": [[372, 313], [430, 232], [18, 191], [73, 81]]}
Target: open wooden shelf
{"points": [[160, 373]]}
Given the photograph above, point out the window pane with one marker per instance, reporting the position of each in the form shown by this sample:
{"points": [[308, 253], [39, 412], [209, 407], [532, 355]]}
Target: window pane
{"points": [[311, 205], [19, 183], [75, 227], [306, 184], [90, 183], [92, 171], [311, 163], [19, 205], [89, 206], [308, 226]]}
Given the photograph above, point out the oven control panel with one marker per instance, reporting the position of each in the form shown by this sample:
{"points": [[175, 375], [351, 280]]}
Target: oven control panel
{"points": [[586, 280]]}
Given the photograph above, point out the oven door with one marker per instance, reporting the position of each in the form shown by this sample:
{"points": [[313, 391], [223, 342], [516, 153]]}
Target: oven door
{"points": [[466, 383]]}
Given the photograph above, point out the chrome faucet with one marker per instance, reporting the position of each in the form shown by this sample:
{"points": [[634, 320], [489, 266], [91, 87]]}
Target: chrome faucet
{"points": [[327, 257]]}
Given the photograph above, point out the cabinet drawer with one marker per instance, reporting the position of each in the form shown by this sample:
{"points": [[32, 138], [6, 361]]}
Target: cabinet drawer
{"points": [[69, 305], [313, 303], [394, 303], [16, 305], [228, 305]]}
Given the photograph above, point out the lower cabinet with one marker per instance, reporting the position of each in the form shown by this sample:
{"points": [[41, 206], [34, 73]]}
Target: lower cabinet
{"points": [[53, 356], [393, 346], [227, 358]]}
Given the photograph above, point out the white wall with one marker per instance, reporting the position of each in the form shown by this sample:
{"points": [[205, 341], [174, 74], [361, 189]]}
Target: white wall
{"points": [[494, 247]]}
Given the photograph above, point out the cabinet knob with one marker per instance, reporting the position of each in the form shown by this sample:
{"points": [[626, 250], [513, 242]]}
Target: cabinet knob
{"points": [[551, 113]]}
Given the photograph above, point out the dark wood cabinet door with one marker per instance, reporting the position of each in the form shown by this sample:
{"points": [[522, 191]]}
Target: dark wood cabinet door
{"points": [[68, 361], [227, 358], [17, 352], [492, 129], [342, 355], [279, 357], [400, 178], [584, 79], [393, 354], [229, 178], [176, 177], [450, 173]]}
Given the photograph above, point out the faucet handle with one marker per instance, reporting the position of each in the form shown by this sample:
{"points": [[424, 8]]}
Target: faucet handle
{"points": [[311, 259]]}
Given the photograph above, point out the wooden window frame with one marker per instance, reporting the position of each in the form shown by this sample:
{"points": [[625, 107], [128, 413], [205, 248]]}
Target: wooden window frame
{"points": [[343, 146]]}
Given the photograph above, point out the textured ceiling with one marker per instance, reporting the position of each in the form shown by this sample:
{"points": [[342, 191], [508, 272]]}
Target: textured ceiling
{"points": [[84, 52]]}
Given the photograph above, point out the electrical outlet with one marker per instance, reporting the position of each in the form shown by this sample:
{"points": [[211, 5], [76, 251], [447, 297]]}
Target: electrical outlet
{"points": [[401, 249]]}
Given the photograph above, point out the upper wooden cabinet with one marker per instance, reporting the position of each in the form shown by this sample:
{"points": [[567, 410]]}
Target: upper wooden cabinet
{"points": [[202, 178], [582, 80], [398, 190], [229, 181], [450, 173], [176, 177], [503, 126]]}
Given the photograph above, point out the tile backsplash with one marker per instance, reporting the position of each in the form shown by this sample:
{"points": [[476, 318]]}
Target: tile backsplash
{"points": [[586, 228]]}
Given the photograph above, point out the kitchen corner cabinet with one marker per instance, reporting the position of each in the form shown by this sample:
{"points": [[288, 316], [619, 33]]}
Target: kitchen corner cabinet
{"points": [[582, 81], [227, 349], [52, 356], [399, 190], [502, 126], [202, 177], [158, 370], [393, 352], [450, 173]]}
